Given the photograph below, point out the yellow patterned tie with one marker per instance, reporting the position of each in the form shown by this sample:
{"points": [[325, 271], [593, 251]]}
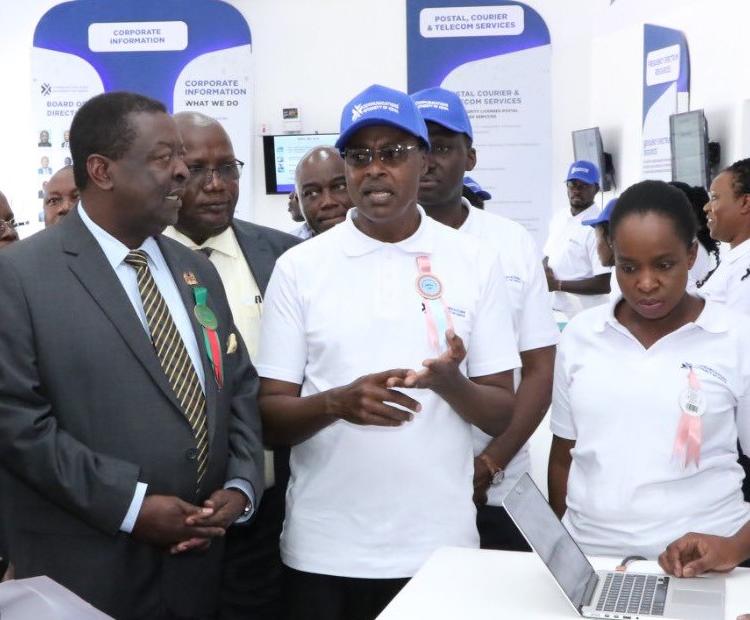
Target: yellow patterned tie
{"points": [[173, 356]]}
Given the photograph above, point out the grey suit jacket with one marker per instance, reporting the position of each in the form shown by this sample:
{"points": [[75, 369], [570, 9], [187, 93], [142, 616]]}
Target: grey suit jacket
{"points": [[86, 412], [261, 247]]}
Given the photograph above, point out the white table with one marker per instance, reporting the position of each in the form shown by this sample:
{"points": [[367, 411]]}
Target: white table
{"points": [[471, 584]]}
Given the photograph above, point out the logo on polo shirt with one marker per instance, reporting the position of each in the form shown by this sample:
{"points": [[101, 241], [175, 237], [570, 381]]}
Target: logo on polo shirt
{"points": [[747, 274], [438, 105], [706, 369], [361, 109]]}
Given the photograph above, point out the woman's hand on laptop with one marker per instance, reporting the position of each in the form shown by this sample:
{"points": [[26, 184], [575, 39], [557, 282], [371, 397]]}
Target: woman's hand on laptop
{"points": [[694, 554]]}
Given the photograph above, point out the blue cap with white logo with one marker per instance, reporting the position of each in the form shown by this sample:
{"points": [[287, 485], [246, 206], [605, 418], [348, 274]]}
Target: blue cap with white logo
{"points": [[476, 188], [583, 170], [445, 108], [380, 105], [603, 217]]}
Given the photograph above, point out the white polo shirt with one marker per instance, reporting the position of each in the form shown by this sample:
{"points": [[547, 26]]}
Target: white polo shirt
{"points": [[533, 322], [571, 249], [627, 493], [369, 501], [730, 283]]}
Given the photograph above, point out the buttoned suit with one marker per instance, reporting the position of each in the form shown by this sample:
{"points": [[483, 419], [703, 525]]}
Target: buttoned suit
{"points": [[86, 412], [252, 573]]}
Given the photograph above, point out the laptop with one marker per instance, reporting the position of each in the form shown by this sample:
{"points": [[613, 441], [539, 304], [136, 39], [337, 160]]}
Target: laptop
{"points": [[607, 594]]}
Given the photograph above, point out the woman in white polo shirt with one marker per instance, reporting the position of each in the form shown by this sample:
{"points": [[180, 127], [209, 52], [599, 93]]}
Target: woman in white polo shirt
{"points": [[651, 394]]}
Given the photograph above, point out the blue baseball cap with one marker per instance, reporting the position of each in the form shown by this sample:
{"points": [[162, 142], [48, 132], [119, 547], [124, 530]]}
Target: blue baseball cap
{"points": [[583, 170], [445, 108], [380, 105], [603, 217], [476, 188]]}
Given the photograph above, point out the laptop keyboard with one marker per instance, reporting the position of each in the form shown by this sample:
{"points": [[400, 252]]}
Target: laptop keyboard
{"points": [[633, 594]]}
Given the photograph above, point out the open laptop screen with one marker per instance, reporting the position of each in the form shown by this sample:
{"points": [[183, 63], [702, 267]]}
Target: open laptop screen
{"points": [[548, 537]]}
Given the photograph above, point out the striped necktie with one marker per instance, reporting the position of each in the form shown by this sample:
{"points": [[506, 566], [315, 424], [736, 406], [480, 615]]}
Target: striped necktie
{"points": [[173, 356]]}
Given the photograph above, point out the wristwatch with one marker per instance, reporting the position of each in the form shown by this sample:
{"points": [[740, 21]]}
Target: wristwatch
{"points": [[497, 473]]}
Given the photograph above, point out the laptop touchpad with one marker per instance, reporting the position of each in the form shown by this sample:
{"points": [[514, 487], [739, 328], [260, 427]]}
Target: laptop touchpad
{"points": [[695, 597]]}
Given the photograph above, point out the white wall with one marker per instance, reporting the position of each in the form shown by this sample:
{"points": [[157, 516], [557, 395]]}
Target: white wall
{"points": [[319, 54]]}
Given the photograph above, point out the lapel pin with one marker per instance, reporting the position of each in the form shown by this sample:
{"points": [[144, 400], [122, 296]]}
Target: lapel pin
{"points": [[190, 278]]}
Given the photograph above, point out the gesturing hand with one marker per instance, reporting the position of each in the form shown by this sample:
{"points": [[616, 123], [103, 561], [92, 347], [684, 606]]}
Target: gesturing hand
{"points": [[437, 372], [694, 554], [364, 400]]}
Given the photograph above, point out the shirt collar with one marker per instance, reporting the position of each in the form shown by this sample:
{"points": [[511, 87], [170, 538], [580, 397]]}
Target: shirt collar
{"points": [[738, 251], [357, 243], [223, 243], [712, 319], [114, 249]]}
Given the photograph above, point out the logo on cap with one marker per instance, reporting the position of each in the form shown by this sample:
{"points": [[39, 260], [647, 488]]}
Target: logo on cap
{"points": [[438, 105], [361, 109], [584, 170]]}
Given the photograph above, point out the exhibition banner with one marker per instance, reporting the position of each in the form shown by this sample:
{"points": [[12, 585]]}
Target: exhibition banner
{"points": [[666, 91], [189, 55], [497, 58]]}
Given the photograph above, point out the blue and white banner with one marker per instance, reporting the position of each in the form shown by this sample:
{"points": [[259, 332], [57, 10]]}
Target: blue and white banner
{"points": [[497, 58], [189, 55], [666, 91]]}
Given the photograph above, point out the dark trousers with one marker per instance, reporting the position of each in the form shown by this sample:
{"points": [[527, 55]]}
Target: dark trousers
{"points": [[252, 575], [309, 596], [497, 530]]}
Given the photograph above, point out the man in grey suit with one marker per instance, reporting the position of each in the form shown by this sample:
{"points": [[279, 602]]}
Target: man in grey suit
{"points": [[128, 417], [244, 255]]}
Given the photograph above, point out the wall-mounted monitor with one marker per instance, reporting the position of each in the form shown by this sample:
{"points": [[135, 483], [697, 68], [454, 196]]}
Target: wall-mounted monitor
{"points": [[688, 134], [587, 144], [281, 154]]}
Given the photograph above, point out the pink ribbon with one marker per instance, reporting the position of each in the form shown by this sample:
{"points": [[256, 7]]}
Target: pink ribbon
{"points": [[442, 315], [687, 444]]}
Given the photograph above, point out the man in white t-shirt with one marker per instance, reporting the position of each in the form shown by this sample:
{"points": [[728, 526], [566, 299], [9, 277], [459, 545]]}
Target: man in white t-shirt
{"points": [[574, 273], [501, 460], [381, 477], [728, 212]]}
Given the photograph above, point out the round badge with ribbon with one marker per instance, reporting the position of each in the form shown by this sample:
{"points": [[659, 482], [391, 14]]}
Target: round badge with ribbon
{"points": [[429, 286], [209, 323], [692, 402]]}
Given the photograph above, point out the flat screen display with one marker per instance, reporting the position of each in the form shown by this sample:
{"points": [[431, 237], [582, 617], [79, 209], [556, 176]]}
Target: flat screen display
{"points": [[688, 133], [281, 154], [587, 144]]}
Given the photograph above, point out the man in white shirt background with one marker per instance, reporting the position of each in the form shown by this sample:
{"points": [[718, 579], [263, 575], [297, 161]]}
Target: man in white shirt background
{"points": [[350, 316], [244, 254], [501, 460], [574, 273]]}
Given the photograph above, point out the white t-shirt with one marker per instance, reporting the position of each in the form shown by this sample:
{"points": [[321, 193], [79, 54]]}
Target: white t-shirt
{"points": [[730, 283], [368, 501], [533, 322], [704, 262], [628, 494], [571, 249]]}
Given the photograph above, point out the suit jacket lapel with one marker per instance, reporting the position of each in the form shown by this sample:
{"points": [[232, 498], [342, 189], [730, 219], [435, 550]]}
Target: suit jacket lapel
{"points": [[89, 264], [179, 268], [258, 254]]}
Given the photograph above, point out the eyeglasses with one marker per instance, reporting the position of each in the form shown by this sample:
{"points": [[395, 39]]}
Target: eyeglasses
{"points": [[391, 155], [226, 172], [6, 225]]}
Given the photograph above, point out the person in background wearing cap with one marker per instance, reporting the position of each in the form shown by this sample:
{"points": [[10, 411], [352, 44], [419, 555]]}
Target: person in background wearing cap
{"points": [[382, 342], [474, 193], [604, 251], [574, 274], [60, 195], [321, 187], [499, 460]]}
